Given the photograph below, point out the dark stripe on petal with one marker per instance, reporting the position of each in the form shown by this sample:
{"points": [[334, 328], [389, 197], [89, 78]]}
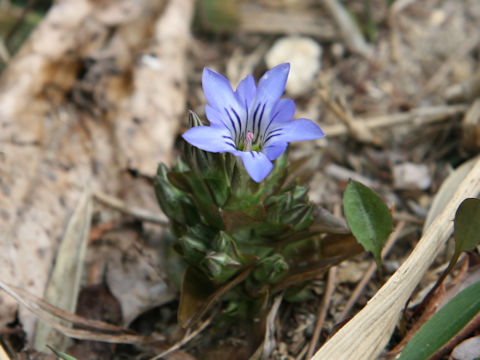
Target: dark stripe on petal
{"points": [[271, 121], [246, 119], [272, 135], [233, 124], [239, 121], [255, 116], [260, 122], [230, 144], [261, 117], [252, 153], [229, 141]]}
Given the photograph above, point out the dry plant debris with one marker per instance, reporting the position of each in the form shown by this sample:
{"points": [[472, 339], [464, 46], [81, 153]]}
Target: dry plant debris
{"points": [[96, 96]]}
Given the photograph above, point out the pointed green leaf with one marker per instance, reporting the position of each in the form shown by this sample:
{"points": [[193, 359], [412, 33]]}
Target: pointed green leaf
{"points": [[61, 355], [445, 324], [467, 225], [368, 217]]}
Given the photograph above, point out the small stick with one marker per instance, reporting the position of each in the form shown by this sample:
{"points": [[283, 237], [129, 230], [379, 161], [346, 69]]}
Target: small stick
{"points": [[350, 32], [189, 335], [322, 311], [136, 212], [369, 273], [419, 116], [356, 128], [439, 79]]}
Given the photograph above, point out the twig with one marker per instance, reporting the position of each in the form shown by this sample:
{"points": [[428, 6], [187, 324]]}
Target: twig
{"points": [[322, 311], [395, 9], [188, 336], [136, 212], [435, 83], [302, 352], [56, 317], [256, 19], [369, 273], [368, 332], [420, 116], [269, 341], [356, 128], [350, 32]]}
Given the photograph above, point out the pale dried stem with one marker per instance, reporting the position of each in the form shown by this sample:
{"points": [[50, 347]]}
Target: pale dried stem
{"points": [[3, 354], [419, 116], [356, 128], [368, 332], [55, 317], [370, 272], [257, 19], [395, 9], [136, 212], [188, 336], [322, 311], [439, 80], [350, 32]]}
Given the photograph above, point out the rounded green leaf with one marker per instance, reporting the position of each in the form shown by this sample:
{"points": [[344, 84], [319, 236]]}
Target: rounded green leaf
{"points": [[368, 217], [467, 225]]}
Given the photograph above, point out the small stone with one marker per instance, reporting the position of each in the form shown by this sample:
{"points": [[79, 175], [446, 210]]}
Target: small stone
{"points": [[467, 350], [303, 54], [410, 176]]}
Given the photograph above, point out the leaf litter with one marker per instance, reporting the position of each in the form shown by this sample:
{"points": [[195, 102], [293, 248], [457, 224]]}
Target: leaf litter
{"points": [[104, 106]]}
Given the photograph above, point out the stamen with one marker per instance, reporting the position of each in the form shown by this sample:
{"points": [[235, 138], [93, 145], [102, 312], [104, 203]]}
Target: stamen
{"points": [[248, 141]]}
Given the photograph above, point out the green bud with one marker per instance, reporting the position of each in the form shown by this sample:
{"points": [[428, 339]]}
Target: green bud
{"points": [[220, 266], [174, 202], [271, 269]]}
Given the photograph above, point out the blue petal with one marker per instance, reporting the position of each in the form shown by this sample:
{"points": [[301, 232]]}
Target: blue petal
{"points": [[296, 130], [217, 90], [270, 89], [257, 164], [246, 91], [274, 150], [211, 138], [272, 84], [284, 111], [214, 116]]}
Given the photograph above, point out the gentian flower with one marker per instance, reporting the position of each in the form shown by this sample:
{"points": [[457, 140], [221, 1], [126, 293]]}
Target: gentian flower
{"points": [[253, 123]]}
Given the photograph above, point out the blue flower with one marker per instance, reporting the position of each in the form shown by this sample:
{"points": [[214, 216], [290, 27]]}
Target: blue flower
{"points": [[252, 123]]}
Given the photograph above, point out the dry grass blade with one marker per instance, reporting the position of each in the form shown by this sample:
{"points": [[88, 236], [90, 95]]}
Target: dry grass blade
{"points": [[98, 330], [369, 273], [64, 284], [3, 354], [367, 333], [123, 207]]}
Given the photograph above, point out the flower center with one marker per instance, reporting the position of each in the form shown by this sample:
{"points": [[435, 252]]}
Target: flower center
{"points": [[248, 144]]}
